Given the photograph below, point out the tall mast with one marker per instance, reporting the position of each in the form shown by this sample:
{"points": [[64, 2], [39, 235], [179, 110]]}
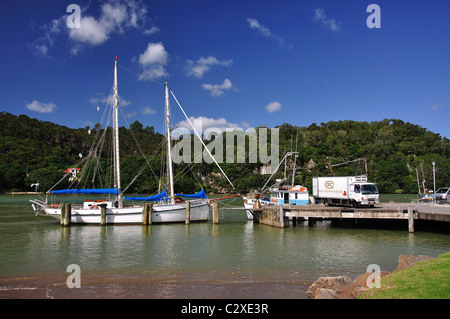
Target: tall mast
{"points": [[116, 136], [169, 155]]}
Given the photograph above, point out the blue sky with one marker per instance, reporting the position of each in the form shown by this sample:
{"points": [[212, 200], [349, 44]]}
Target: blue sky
{"points": [[233, 63]]}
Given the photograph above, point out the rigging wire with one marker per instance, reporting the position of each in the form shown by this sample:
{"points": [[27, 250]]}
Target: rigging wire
{"points": [[202, 140], [139, 74], [142, 152]]}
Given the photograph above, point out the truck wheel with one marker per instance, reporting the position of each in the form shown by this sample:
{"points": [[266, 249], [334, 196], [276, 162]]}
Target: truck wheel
{"points": [[355, 204], [326, 202]]}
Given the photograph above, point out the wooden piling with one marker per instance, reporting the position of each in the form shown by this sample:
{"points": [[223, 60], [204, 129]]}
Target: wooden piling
{"points": [[215, 212], [150, 209], [188, 212], [63, 213], [67, 214], [410, 220], [145, 214], [281, 216], [103, 215]]}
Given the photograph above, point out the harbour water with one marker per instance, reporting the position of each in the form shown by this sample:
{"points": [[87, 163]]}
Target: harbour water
{"points": [[234, 259]]}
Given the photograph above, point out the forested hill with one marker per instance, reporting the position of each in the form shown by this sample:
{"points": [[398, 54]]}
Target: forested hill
{"points": [[35, 151]]}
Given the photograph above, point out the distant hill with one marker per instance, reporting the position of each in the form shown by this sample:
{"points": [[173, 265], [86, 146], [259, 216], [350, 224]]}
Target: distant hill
{"points": [[33, 150]]}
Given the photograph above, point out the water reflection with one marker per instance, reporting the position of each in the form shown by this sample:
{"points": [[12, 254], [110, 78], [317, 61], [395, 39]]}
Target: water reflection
{"points": [[234, 247]]}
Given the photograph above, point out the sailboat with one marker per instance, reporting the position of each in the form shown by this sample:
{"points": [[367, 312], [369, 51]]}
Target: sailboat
{"points": [[166, 209]]}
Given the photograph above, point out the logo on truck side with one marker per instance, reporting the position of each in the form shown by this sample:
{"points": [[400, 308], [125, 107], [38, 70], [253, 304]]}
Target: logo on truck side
{"points": [[329, 184]]}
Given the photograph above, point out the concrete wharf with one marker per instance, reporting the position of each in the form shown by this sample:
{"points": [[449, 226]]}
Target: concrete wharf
{"points": [[279, 215]]}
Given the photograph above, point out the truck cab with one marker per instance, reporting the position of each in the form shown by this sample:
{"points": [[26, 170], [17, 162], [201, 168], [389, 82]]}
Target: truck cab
{"points": [[364, 194]]}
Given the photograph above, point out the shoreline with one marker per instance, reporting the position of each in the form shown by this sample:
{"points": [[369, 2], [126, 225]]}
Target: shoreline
{"points": [[210, 285]]}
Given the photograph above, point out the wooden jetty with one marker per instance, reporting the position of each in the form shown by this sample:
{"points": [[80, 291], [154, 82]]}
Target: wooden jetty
{"points": [[279, 215]]}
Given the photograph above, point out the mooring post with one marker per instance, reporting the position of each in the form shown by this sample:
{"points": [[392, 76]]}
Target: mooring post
{"points": [[188, 212], [150, 209], [281, 216], [103, 215], [410, 220], [145, 214], [67, 214], [63, 213], [215, 212]]}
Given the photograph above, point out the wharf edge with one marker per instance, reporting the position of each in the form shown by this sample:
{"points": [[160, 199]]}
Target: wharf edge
{"points": [[279, 215]]}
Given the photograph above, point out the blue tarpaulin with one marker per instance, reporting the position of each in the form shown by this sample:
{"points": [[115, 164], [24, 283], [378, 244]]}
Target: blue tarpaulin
{"points": [[200, 194], [113, 191], [154, 198]]}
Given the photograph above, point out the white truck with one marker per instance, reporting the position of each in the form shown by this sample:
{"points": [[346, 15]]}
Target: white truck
{"points": [[345, 190]]}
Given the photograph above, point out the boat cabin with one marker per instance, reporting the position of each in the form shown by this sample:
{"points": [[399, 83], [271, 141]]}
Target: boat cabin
{"points": [[290, 195]]}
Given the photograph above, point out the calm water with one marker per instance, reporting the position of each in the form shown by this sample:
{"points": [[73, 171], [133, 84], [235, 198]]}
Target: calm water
{"points": [[236, 258]]}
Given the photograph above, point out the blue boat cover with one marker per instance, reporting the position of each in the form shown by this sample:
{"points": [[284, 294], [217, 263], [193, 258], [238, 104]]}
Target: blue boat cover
{"points": [[113, 191], [158, 197], [200, 194]]}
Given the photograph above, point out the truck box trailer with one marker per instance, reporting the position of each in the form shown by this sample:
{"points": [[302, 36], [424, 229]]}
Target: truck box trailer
{"points": [[345, 190]]}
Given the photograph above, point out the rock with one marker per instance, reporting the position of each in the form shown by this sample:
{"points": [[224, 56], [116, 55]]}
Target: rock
{"points": [[347, 291], [324, 293], [331, 283], [407, 261], [342, 287], [358, 291], [361, 280]]}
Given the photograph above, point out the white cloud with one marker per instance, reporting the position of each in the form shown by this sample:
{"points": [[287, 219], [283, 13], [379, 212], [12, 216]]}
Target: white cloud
{"points": [[116, 16], [202, 65], [146, 110], [319, 15], [155, 53], [42, 45], [264, 31], [152, 30], [153, 61], [218, 89], [91, 32], [273, 107], [109, 100], [254, 24], [36, 106], [202, 124]]}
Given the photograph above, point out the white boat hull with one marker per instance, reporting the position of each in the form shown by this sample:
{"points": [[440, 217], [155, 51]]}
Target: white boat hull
{"points": [[249, 205], [199, 211]]}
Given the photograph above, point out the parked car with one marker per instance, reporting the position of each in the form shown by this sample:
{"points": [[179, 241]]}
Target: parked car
{"points": [[443, 195]]}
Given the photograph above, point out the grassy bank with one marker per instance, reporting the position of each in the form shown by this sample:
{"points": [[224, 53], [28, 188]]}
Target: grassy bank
{"points": [[425, 280]]}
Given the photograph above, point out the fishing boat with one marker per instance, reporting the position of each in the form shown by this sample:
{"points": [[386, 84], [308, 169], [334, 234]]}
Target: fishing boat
{"points": [[167, 206], [277, 194]]}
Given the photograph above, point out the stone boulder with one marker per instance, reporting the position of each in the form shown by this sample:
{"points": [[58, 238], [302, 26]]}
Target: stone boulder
{"points": [[407, 261], [324, 293], [329, 287], [361, 280]]}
